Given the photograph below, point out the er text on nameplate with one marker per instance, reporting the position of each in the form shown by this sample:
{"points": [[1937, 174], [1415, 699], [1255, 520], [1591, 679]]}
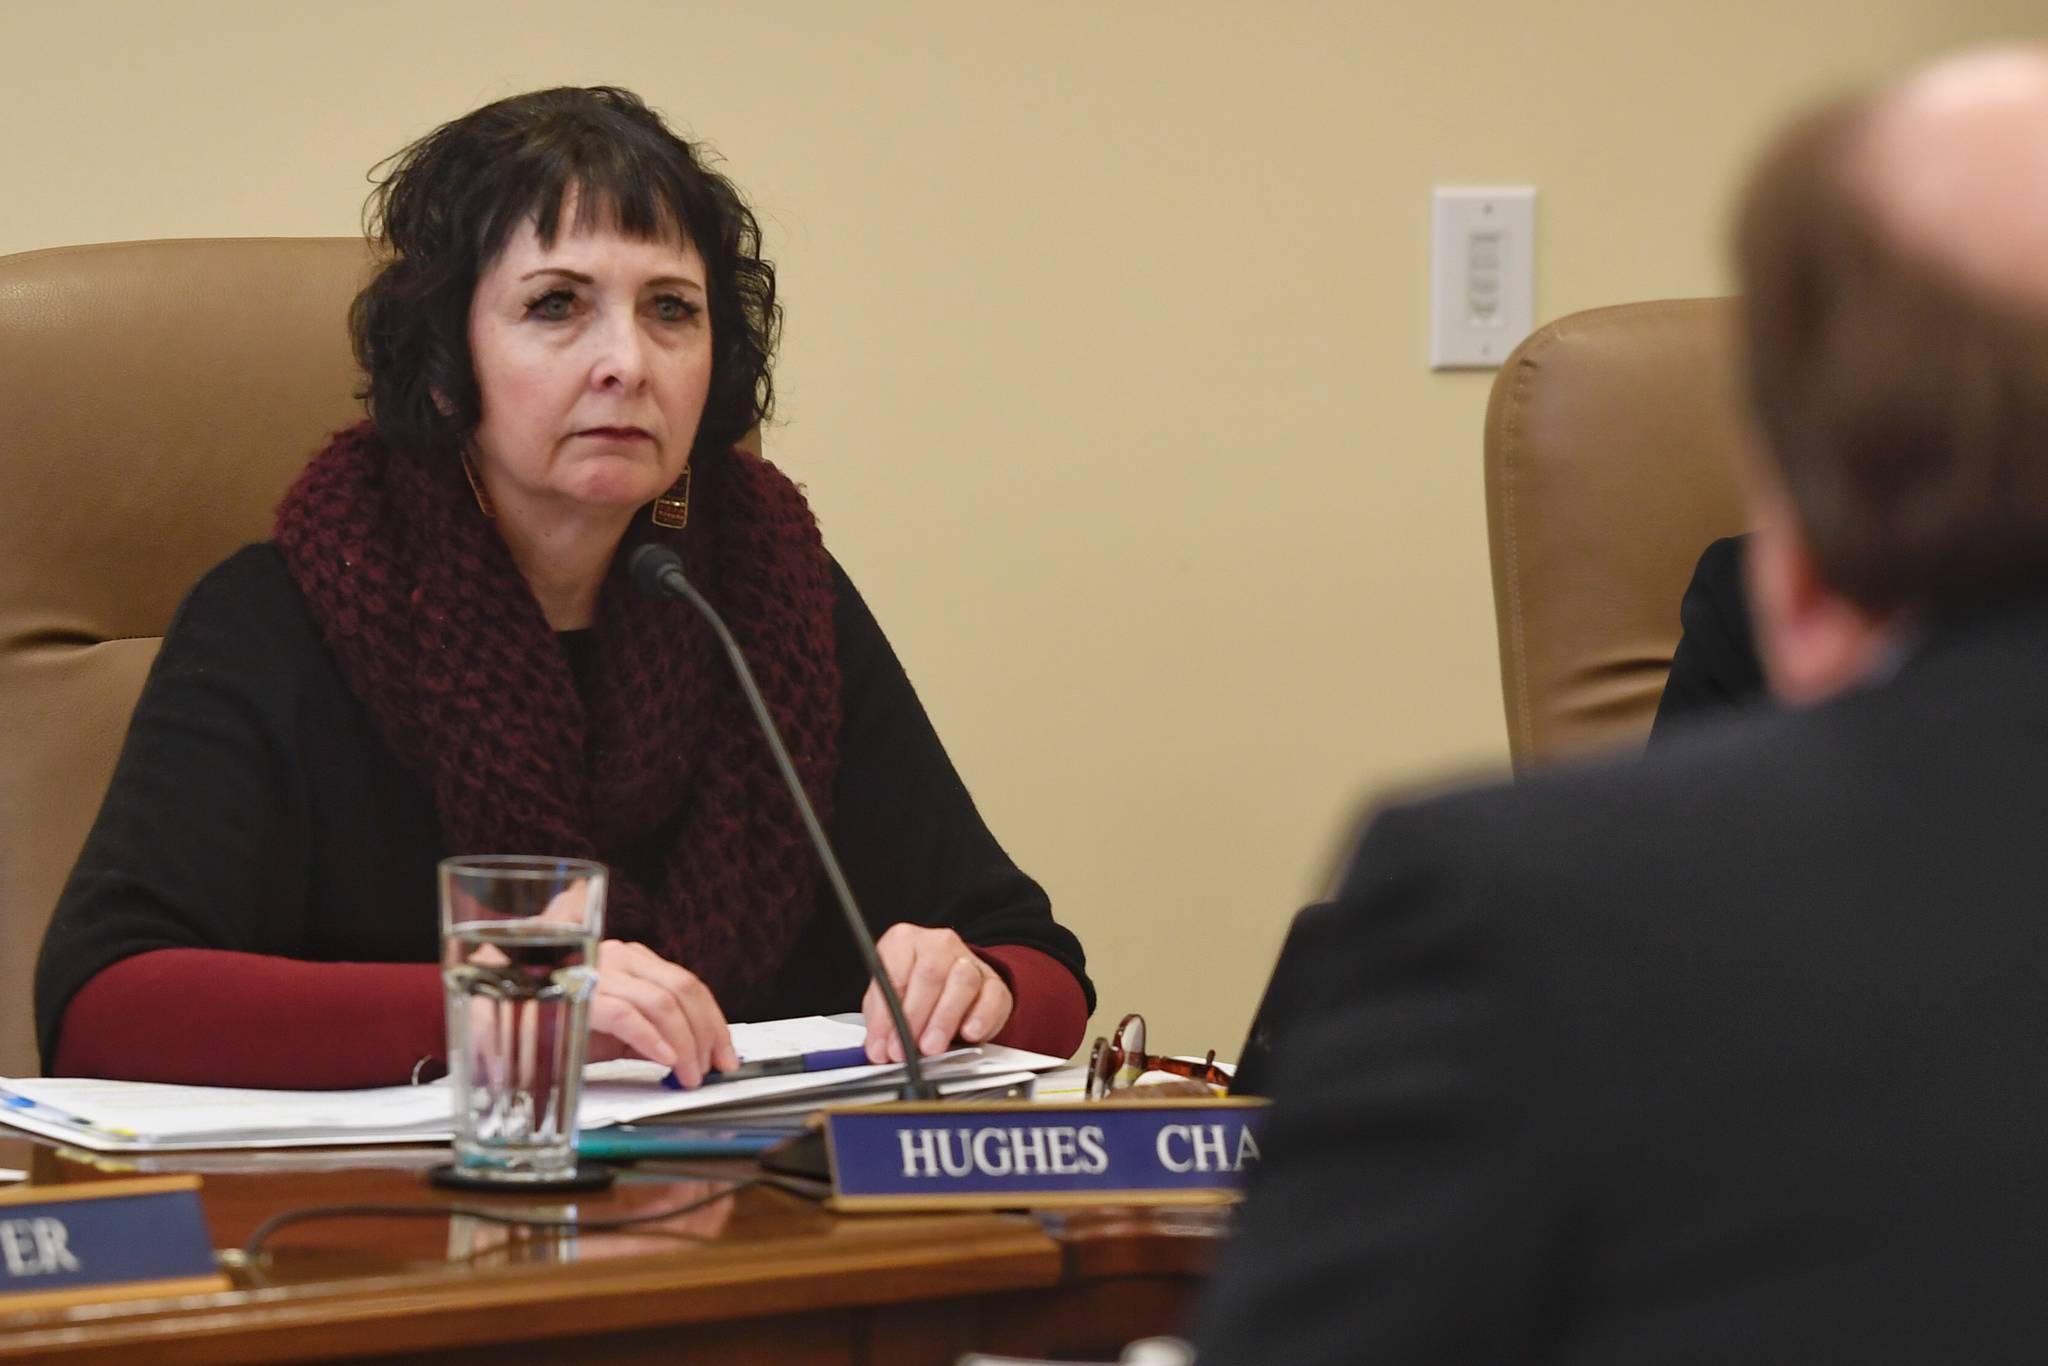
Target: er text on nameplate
{"points": [[1012, 1153], [92, 1241]]}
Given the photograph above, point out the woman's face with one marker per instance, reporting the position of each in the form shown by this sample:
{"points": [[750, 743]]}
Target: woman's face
{"points": [[593, 358]]}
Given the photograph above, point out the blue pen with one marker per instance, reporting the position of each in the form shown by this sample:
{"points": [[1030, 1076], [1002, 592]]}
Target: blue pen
{"points": [[825, 1061]]}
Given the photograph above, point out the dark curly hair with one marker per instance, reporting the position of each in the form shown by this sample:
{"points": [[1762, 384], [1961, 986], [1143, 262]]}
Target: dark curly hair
{"points": [[452, 200]]}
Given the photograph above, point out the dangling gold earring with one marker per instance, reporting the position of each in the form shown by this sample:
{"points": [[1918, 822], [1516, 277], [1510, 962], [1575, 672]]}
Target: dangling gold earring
{"points": [[476, 486], [672, 509]]}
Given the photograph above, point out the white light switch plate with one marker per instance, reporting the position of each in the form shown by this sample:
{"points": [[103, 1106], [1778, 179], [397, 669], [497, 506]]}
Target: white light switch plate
{"points": [[1483, 275]]}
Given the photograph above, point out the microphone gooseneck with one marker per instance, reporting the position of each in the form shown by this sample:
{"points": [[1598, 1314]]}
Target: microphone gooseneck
{"points": [[657, 572]]}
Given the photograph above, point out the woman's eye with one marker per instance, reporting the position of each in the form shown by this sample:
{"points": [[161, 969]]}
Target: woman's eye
{"points": [[553, 306], [674, 308]]}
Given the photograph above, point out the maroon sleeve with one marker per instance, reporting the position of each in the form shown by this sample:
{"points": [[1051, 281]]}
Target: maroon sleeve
{"points": [[248, 1019], [1050, 1012], [209, 1017]]}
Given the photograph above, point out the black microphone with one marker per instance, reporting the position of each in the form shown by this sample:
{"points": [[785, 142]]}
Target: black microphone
{"points": [[658, 572]]}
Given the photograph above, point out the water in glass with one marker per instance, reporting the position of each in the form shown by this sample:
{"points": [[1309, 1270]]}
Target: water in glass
{"points": [[519, 941], [518, 994]]}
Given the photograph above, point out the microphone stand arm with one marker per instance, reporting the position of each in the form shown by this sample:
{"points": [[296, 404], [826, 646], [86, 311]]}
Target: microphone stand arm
{"points": [[915, 1086]]}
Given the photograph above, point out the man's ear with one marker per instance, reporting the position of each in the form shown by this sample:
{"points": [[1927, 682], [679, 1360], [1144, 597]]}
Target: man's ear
{"points": [[1814, 642]]}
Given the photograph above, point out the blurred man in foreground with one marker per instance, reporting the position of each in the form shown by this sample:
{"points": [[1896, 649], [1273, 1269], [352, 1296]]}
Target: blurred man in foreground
{"points": [[1741, 1053]]}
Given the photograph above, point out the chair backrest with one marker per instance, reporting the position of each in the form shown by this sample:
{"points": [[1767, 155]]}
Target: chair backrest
{"points": [[158, 398], [1611, 440]]}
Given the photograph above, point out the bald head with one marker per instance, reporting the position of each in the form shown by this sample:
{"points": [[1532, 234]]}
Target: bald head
{"points": [[1952, 165], [1893, 251]]}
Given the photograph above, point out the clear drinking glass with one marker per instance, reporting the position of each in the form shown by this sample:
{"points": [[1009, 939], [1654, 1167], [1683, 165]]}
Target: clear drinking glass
{"points": [[519, 938]]}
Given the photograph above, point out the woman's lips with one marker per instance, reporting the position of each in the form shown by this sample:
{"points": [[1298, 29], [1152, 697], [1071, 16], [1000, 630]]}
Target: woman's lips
{"points": [[616, 433]]}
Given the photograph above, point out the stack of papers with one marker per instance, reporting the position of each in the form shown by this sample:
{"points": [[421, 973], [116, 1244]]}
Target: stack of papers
{"points": [[120, 1116]]}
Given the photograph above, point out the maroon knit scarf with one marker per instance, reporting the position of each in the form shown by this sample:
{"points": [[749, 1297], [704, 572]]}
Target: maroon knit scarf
{"points": [[439, 636]]}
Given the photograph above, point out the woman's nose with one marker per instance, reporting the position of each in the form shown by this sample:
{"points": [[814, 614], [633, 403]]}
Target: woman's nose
{"points": [[621, 359]]}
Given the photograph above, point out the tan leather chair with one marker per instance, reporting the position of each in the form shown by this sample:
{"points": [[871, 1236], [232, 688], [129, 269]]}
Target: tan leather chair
{"points": [[1611, 437], [156, 398]]}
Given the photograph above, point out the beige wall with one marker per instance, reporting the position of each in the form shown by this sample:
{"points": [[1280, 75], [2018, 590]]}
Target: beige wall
{"points": [[1105, 349]]}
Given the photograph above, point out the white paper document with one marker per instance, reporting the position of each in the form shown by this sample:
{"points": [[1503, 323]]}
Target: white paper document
{"points": [[790, 1038], [123, 1116]]}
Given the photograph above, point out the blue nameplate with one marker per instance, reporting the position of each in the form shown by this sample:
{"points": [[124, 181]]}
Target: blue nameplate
{"points": [[104, 1240], [1121, 1152]]}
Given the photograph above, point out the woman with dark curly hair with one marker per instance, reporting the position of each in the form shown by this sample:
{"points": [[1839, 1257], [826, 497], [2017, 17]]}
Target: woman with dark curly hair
{"points": [[439, 652]]}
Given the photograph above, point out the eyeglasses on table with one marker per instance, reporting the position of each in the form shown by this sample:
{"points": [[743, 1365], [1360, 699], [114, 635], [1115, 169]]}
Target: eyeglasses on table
{"points": [[1116, 1063]]}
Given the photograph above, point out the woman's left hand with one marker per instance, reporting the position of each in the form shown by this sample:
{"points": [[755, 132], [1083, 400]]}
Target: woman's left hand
{"points": [[947, 992]]}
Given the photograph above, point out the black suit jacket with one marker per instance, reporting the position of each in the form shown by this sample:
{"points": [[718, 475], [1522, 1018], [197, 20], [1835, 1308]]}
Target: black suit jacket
{"points": [[1739, 1053], [1715, 668]]}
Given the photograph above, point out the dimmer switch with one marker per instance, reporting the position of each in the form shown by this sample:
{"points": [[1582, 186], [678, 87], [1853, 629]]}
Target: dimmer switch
{"points": [[1483, 269]]}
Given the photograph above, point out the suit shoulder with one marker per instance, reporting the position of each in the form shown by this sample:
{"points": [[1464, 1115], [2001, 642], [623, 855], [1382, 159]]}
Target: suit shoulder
{"points": [[1719, 568], [1578, 818]]}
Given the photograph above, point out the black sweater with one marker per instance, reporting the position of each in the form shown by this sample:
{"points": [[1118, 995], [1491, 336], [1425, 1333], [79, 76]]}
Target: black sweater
{"points": [[254, 808]]}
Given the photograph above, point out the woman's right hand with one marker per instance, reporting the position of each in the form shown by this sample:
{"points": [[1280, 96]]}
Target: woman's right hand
{"points": [[648, 1007]]}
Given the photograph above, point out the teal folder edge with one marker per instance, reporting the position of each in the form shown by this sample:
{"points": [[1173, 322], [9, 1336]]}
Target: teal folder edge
{"points": [[650, 1142]]}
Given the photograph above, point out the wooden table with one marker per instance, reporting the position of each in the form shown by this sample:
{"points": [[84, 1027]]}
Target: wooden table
{"points": [[759, 1276]]}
